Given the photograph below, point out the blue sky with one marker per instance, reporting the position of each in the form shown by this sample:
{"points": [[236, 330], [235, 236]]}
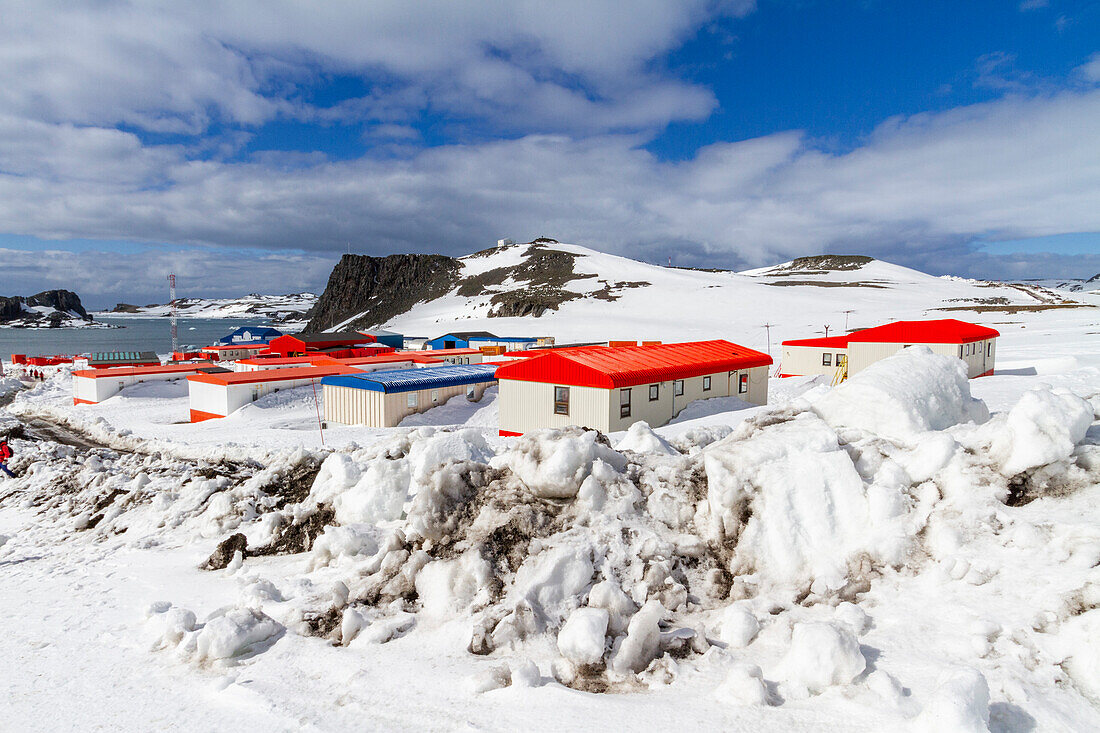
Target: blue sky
{"points": [[247, 146]]}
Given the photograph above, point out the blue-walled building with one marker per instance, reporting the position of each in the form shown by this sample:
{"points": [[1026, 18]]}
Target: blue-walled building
{"points": [[387, 338], [250, 335], [476, 339]]}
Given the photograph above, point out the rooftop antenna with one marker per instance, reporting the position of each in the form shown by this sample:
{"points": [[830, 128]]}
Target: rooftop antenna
{"points": [[172, 312], [826, 332]]}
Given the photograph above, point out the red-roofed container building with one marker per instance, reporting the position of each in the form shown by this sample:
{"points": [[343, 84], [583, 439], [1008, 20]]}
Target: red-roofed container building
{"points": [[610, 388], [219, 395], [841, 356], [91, 386]]}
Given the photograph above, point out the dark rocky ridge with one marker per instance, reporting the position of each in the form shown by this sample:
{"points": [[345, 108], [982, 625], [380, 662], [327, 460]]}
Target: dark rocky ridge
{"points": [[65, 304], [381, 288]]}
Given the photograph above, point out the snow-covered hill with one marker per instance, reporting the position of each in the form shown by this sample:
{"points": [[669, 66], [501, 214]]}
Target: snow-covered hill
{"points": [[578, 294], [48, 309], [274, 308]]}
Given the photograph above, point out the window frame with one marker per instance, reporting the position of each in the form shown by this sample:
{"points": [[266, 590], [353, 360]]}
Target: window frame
{"points": [[706, 383], [412, 399], [561, 407], [826, 358], [742, 383], [654, 392], [678, 388], [624, 402]]}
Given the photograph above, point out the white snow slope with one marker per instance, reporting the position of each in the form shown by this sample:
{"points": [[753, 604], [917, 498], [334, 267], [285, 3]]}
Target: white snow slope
{"points": [[908, 551], [269, 306]]}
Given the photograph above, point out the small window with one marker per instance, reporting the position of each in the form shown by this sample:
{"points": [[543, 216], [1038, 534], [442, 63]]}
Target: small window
{"points": [[435, 396], [654, 392], [561, 400], [412, 400], [706, 384], [471, 393], [743, 384], [960, 352], [841, 359], [624, 403], [826, 359], [678, 388], [989, 348]]}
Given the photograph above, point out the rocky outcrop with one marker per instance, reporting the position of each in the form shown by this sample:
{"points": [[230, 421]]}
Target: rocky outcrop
{"points": [[376, 289], [65, 305]]}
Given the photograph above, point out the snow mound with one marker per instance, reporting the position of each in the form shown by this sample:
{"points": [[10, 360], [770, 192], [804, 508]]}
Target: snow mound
{"points": [[808, 512], [228, 635], [554, 463], [960, 704], [583, 636], [640, 438], [904, 396], [744, 685], [822, 655], [738, 626], [1043, 427]]}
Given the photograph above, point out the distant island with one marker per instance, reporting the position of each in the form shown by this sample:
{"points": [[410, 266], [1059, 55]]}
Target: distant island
{"points": [[48, 309]]}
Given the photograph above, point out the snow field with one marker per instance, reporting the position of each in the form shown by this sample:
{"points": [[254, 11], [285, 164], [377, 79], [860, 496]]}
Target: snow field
{"points": [[863, 556]]}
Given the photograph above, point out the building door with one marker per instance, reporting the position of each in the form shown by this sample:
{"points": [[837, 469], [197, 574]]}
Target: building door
{"points": [[448, 344]]}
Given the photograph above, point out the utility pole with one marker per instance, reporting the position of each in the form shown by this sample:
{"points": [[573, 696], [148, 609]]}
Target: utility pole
{"points": [[768, 330], [172, 306], [846, 320]]}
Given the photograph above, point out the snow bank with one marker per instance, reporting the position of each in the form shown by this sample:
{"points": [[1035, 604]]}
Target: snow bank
{"points": [[960, 704], [640, 438], [1043, 427], [744, 685], [583, 636], [808, 512], [227, 635], [822, 655], [554, 463], [904, 396]]}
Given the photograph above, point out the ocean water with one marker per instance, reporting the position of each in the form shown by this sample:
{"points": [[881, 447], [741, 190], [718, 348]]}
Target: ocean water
{"points": [[137, 334]]}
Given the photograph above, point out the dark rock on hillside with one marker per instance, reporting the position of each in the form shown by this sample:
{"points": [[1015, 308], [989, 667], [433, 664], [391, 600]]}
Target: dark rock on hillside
{"points": [[66, 305], [65, 301], [825, 263], [125, 308], [380, 288]]}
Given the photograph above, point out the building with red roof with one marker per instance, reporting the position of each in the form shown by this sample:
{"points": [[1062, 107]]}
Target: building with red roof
{"points": [[839, 356], [222, 394], [610, 388], [91, 386]]}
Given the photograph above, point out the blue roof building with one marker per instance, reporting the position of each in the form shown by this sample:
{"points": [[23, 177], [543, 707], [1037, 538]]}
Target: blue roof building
{"points": [[383, 399], [475, 339], [250, 335]]}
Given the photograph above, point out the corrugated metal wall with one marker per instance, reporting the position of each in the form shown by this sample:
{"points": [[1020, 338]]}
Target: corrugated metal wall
{"points": [[350, 406], [979, 360], [527, 406], [806, 360]]}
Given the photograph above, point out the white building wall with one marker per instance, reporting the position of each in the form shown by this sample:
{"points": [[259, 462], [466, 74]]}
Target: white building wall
{"points": [[807, 360], [979, 356], [105, 386], [527, 406], [207, 398]]}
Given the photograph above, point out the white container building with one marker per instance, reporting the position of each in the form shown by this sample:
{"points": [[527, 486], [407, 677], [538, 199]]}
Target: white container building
{"points": [[610, 388], [92, 386]]}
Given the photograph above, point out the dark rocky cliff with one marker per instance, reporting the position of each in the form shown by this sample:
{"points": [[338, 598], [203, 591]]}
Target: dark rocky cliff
{"points": [[63, 302], [381, 288]]}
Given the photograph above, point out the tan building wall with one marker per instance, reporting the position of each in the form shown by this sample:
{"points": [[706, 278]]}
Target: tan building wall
{"points": [[527, 406], [978, 356], [807, 360], [350, 406]]}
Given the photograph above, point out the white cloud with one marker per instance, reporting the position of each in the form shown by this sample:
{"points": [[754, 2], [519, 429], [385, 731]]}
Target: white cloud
{"points": [[1018, 167], [175, 67]]}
